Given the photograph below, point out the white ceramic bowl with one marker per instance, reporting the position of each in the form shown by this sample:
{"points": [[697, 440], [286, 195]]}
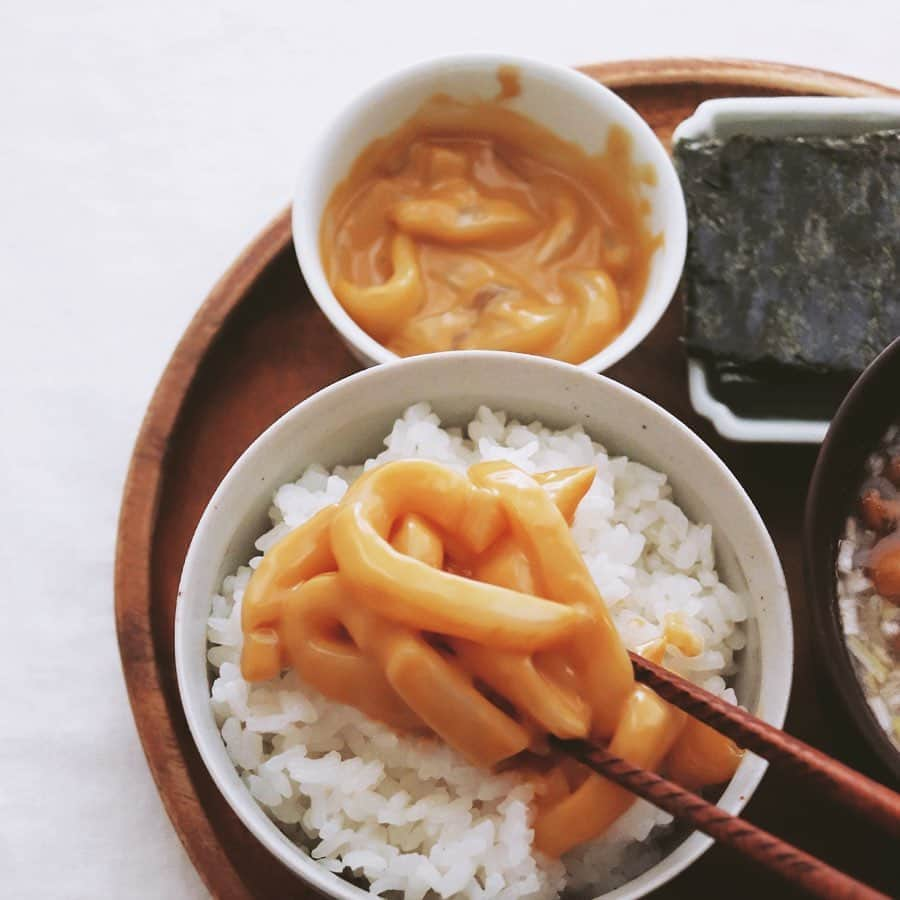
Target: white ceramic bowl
{"points": [[567, 102], [347, 422], [775, 117]]}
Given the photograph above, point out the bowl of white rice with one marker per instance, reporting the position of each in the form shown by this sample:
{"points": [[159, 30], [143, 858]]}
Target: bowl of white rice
{"points": [[355, 809]]}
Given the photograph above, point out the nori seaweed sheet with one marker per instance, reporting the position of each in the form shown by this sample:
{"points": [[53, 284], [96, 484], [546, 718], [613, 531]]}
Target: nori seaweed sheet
{"points": [[793, 263]]}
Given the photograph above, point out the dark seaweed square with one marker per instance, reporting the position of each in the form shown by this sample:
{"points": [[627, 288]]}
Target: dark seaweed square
{"points": [[793, 260]]}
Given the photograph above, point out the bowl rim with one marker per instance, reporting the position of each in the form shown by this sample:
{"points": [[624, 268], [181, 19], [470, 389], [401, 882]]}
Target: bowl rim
{"points": [[305, 233], [251, 814], [747, 429], [821, 578]]}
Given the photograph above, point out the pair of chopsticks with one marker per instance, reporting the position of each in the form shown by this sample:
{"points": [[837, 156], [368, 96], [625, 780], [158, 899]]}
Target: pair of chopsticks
{"points": [[852, 789]]}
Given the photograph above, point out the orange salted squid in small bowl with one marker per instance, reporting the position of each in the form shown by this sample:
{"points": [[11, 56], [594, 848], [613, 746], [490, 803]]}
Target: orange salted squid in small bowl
{"points": [[488, 203]]}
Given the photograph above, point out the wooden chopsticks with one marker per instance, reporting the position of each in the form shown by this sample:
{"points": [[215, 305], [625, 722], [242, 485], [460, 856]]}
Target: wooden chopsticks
{"points": [[799, 868], [845, 786], [852, 789]]}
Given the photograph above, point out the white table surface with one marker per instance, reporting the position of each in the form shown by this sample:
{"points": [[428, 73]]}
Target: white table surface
{"points": [[142, 145]]}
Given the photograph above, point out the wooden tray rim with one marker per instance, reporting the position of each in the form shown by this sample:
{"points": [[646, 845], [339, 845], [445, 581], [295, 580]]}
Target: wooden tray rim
{"points": [[141, 493]]}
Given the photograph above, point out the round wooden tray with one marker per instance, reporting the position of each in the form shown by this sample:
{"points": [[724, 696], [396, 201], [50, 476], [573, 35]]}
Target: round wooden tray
{"points": [[258, 345]]}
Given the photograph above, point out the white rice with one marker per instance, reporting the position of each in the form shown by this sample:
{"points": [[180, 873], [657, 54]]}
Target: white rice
{"points": [[408, 816]]}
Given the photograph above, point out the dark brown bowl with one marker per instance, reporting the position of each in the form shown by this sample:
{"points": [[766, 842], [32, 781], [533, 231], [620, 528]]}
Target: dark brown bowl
{"points": [[869, 409]]}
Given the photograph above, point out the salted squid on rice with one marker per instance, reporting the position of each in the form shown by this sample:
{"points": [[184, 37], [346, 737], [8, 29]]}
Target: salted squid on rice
{"points": [[420, 596], [458, 605], [408, 670]]}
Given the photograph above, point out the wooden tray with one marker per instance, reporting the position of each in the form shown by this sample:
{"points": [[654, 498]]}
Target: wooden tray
{"points": [[258, 345]]}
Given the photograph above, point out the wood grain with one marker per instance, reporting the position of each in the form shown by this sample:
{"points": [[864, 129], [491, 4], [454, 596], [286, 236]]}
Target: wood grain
{"points": [[258, 345]]}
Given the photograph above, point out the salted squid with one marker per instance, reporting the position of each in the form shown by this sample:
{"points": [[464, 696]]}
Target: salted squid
{"points": [[318, 646], [458, 605], [463, 217], [302, 554], [382, 308], [538, 526], [473, 227], [422, 597], [646, 731], [595, 316]]}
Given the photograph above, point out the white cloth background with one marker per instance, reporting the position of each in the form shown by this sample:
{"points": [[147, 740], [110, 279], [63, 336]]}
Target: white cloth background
{"points": [[141, 146]]}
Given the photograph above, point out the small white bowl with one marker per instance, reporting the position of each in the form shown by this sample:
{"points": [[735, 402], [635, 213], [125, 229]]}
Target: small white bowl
{"points": [[347, 422], [775, 117], [571, 104]]}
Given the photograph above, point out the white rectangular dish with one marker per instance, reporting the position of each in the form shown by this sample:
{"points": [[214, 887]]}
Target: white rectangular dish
{"points": [[775, 117]]}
